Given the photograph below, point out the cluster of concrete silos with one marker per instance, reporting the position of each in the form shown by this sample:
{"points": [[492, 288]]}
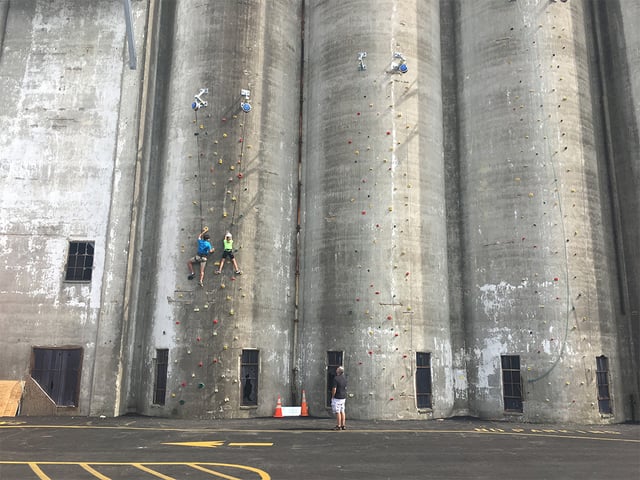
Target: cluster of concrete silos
{"points": [[413, 177]]}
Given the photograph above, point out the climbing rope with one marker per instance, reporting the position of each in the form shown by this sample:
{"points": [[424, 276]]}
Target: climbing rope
{"points": [[199, 154]]}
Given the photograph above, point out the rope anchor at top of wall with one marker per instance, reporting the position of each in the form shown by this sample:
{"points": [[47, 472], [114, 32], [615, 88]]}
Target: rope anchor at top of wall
{"points": [[244, 104], [399, 63], [361, 57], [199, 102]]}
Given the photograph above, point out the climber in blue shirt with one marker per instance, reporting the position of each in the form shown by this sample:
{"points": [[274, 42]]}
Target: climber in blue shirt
{"points": [[204, 249]]}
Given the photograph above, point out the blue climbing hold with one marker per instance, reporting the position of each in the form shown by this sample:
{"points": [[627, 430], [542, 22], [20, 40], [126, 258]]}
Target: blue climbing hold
{"points": [[246, 108], [403, 68]]}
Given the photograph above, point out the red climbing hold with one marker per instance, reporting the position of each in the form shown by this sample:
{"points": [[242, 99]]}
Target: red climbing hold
{"points": [[389, 317], [215, 321], [364, 212]]}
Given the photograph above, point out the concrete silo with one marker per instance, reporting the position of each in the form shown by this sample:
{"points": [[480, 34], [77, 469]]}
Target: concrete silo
{"points": [[537, 278], [374, 288], [225, 155]]}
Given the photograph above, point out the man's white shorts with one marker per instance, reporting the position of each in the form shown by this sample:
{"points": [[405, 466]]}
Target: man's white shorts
{"points": [[337, 405]]}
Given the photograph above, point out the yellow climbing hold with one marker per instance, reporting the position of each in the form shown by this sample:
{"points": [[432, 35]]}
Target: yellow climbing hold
{"points": [[224, 135]]}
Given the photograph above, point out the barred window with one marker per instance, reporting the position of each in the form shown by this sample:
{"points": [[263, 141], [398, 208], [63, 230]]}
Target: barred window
{"points": [[602, 377], [249, 375], [423, 380], [160, 384], [79, 262], [334, 360], [511, 383]]}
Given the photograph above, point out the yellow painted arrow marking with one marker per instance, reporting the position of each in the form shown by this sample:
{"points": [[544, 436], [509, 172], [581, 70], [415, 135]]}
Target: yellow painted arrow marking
{"points": [[211, 444]]}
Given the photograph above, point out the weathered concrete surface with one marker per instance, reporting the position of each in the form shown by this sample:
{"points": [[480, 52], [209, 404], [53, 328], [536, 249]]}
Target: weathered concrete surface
{"points": [[375, 263], [618, 54], [537, 266], [483, 203], [231, 171], [66, 157]]}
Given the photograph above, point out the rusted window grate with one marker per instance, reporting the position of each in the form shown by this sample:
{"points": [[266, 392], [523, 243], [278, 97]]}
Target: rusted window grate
{"points": [[249, 369], [334, 360], [423, 380], [602, 378], [160, 385], [511, 383]]}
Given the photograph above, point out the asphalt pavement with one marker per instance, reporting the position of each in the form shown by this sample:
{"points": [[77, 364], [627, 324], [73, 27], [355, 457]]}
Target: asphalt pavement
{"points": [[134, 447]]}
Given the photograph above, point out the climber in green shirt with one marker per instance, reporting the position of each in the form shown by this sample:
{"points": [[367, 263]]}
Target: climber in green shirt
{"points": [[228, 253]]}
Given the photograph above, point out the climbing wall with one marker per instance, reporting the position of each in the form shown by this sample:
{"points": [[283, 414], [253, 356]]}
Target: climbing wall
{"points": [[228, 160], [537, 264], [374, 251]]}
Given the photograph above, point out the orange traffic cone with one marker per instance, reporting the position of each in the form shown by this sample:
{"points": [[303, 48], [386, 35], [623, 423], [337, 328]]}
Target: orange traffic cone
{"points": [[304, 410], [278, 413]]}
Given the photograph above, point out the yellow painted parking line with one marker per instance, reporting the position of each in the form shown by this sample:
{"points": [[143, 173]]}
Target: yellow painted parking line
{"points": [[93, 472], [152, 472], [39, 473], [209, 444], [213, 472], [250, 444], [202, 466]]}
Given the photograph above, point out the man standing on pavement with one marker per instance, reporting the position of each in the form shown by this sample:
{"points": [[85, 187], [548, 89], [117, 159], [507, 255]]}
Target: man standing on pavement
{"points": [[339, 397]]}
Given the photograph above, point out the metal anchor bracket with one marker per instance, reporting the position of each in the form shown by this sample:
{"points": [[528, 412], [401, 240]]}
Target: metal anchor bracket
{"points": [[244, 104], [199, 102], [361, 57], [399, 63]]}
